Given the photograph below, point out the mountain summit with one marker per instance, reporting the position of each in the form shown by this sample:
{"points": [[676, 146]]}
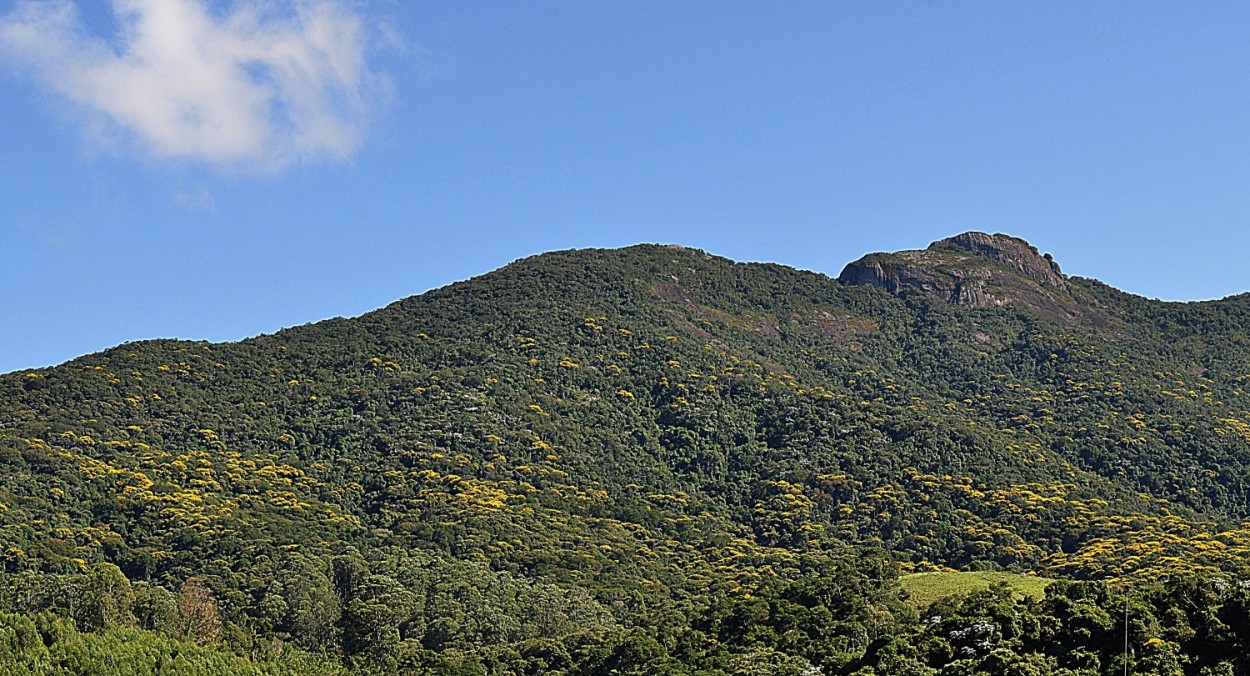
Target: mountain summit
{"points": [[977, 270]]}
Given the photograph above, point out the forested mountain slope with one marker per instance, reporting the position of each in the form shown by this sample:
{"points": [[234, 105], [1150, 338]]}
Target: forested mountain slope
{"points": [[584, 439]]}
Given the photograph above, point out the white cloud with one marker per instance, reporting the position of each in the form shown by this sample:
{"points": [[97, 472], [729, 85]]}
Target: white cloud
{"points": [[263, 84]]}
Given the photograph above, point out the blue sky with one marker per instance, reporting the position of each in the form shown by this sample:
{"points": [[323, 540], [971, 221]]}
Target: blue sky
{"points": [[215, 170]]}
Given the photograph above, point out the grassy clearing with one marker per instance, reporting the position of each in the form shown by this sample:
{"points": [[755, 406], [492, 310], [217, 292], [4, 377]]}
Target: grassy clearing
{"points": [[925, 588]]}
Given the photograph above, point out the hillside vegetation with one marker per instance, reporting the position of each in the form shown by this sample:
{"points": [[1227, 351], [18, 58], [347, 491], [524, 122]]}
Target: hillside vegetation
{"points": [[655, 460]]}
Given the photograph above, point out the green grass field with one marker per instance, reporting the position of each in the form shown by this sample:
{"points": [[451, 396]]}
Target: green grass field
{"points": [[925, 588]]}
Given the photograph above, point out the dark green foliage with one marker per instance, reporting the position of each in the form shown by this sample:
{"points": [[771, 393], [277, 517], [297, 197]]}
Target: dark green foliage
{"points": [[47, 644], [648, 460]]}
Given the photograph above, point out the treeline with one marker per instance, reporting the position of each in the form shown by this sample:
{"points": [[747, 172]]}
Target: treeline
{"points": [[851, 619], [374, 613]]}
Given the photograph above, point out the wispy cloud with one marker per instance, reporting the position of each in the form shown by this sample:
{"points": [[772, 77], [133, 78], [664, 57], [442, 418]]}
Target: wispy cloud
{"points": [[196, 200], [262, 84]]}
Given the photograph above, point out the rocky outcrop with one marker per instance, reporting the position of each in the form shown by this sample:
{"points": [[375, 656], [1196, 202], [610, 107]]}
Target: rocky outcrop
{"points": [[1010, 251], [974, 269]]}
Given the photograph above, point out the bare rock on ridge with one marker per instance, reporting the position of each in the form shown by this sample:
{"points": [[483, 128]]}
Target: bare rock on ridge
{"points": [[977, 270]]}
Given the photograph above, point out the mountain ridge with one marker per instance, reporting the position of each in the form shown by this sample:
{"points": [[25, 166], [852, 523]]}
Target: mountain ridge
{"points": [[853, 273], [625, 431]]}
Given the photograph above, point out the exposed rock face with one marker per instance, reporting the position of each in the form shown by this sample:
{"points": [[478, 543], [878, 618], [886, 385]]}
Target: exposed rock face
{"points": [[1011, 251], [974, 270]]}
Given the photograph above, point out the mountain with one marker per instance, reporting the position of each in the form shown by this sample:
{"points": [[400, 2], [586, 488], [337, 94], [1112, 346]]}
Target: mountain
{"points": [[592, 441]]}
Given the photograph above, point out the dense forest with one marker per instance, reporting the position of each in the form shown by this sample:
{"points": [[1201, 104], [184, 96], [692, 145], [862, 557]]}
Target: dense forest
{"points": [[648, 460]]}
